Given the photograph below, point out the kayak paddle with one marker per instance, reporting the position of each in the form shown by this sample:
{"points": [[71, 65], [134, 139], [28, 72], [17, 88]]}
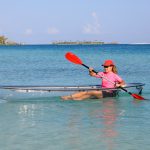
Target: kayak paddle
{"points": [[76, 60]]}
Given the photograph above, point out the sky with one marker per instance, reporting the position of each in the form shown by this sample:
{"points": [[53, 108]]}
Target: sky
{"points": [[46, 21]]}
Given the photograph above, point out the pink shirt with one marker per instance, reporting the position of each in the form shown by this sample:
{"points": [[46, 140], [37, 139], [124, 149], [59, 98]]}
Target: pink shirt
{"points": [[110, 76]]}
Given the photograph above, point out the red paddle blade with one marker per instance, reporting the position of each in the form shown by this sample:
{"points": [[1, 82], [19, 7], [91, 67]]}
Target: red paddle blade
{"points": [[73, 58], [136, 96]]}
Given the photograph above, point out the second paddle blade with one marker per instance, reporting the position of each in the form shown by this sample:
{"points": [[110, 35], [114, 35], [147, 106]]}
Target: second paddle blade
{"points": [[136, 96]]}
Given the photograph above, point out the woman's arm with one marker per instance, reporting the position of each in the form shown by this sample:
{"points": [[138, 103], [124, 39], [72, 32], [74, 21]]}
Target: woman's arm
{"points": [[122, 84]]}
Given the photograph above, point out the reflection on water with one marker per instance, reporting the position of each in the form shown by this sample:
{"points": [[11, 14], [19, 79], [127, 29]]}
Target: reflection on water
{"points": [[109, 115], [27, 113], [75, 124]]}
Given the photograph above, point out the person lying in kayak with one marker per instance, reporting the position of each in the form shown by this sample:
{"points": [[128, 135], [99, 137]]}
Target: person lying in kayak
{"points": [[110, 79]]}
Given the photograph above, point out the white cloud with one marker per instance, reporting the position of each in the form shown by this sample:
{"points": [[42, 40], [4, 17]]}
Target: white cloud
{"points": [[53, 30], [28, 32], [92, 28]]}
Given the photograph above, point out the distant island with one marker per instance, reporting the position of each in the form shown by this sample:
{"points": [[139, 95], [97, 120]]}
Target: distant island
{"points": [[81, 43]]}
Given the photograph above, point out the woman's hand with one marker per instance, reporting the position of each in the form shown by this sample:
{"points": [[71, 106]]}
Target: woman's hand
{"points": [[91, 73], [122, 84], [117, 85]]}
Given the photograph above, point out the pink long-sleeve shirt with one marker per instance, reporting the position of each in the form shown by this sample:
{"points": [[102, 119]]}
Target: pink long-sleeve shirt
{"points": [[114, 78]]}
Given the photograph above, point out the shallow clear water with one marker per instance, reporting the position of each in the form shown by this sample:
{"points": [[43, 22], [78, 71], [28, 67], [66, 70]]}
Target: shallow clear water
{"points": [[44, 121]]}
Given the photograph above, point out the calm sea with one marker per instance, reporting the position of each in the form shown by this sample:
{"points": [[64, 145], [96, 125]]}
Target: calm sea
{"points": [[43, 121]]}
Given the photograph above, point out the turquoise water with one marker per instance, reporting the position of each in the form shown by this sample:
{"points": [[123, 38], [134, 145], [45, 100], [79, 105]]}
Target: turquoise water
{"points": [[43, 121]]}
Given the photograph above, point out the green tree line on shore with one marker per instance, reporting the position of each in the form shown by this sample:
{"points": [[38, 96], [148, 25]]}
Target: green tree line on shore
{"points": [[3, 40]]}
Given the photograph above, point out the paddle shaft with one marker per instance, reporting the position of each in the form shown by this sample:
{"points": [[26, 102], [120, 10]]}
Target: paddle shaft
{"points": [[87, 67], [97, 73]]}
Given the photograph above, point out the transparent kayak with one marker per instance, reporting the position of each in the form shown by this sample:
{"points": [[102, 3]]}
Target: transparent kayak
{"points": [[24, 88]]}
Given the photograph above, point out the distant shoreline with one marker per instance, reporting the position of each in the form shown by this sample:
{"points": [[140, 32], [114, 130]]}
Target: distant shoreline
{"points": [[5, 42], [63, 43], [73, 43]]}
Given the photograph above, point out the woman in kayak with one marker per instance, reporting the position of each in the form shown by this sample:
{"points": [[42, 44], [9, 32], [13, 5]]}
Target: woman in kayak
{"points": [[110, 79]]}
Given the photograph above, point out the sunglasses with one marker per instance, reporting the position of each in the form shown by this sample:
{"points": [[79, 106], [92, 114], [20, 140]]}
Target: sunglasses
{"points": [[106, 66]]}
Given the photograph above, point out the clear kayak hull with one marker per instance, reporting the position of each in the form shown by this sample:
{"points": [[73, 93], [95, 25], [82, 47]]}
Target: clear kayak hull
{"points": [[138, 86], [27, 91]]}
